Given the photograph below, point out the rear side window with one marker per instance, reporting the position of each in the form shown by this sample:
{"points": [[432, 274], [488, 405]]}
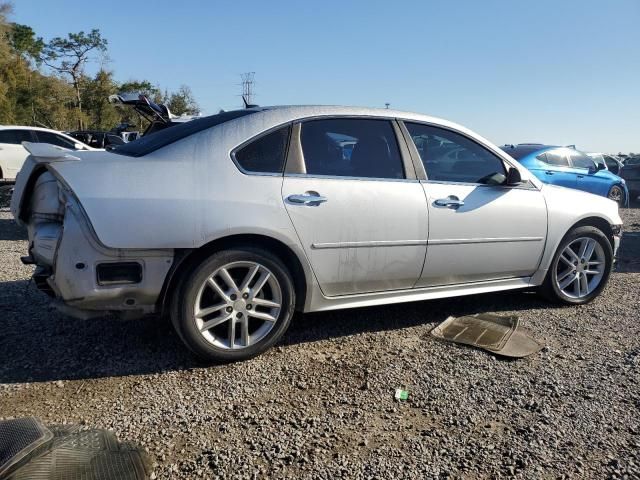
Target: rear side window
{"points": [[451, 157], [558, 159], [15, 137], [53, 139], [580, 160], [351, 147], [265, 154]]}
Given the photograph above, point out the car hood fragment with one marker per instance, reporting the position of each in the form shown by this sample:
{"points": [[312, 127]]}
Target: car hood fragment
{"points": [[501, 335]]}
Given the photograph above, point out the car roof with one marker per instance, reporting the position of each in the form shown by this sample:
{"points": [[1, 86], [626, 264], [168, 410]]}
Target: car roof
{"points": [[25, 127], [264, 118], [521, 150]]}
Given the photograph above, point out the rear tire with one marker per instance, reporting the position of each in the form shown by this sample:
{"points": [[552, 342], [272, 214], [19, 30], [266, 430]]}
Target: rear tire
{"points": [[576, 277], [234, 305]]}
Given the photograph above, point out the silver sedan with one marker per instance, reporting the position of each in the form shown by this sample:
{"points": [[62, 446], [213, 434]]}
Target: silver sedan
{"points": [[230, 223]]}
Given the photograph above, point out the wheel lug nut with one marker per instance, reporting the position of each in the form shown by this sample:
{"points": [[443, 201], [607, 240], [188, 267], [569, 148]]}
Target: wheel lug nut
{"points": [[229, 309], [249, 307], [233, 296], [245, 295], [239, 315]]}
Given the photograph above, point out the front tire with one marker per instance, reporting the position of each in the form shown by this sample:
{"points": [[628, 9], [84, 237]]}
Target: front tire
{"points": [[617, 195], [580, 267], [234, 305]]}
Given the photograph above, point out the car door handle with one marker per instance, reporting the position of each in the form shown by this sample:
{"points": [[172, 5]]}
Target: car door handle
{"points": [[548, 173], [450, 202], [310, 198], [580, 176]]}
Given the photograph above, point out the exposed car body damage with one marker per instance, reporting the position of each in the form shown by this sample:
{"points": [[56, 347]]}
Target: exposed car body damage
{"points": [[113, 232]]}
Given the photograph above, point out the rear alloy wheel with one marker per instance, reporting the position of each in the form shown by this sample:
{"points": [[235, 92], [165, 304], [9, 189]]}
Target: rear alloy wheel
{"points": [[235, 305], [580, 268], [617, 195]]}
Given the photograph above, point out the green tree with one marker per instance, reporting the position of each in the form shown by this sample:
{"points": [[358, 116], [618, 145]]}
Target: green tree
{"points": [[24, 42], [143, 87], [101, 114], [69, 56], [183, 102]]}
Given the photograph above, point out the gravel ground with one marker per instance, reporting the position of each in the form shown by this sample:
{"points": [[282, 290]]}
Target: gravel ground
{"points": [[321, 404]]}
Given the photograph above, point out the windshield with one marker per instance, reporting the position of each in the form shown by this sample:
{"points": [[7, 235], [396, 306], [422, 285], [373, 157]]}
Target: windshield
{"points": [[154, 141]]}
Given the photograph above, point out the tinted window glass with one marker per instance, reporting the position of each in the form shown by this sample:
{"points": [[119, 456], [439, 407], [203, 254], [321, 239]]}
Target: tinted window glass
{"points": [[53, 139], [351, 148], [580, 160], [265, 154], [15, 137], [152, 142], [554, 158], [612, 165], [450, 157]]}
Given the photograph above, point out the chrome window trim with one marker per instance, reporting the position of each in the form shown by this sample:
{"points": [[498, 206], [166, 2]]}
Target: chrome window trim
{"points": [[524, 186], [340, 177]]}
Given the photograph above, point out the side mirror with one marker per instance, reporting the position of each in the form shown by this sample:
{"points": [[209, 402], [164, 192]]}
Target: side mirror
{"points": [[513, 177], [600, 166]]}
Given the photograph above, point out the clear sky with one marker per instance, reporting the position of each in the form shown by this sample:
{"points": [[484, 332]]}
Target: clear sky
{"points": [[552, 71]]}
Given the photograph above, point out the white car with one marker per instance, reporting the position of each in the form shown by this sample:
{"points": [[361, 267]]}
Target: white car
{"points": [[233, 221], [13, 154]]}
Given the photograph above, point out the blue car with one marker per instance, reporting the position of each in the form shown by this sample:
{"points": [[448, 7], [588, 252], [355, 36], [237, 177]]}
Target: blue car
{"points": [[568, 167]]}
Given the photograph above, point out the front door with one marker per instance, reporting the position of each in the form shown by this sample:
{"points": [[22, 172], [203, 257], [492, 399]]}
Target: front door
{"points": [[361, 221], [479, 229]]}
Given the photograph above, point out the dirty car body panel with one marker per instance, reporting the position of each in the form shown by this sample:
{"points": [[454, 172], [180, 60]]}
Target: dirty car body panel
{"points": [[108, 230]]}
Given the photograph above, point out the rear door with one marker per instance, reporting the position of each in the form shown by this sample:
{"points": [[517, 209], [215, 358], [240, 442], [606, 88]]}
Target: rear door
{"points": [[478, 231], [12, 153], [359, 212], [556, 169]]}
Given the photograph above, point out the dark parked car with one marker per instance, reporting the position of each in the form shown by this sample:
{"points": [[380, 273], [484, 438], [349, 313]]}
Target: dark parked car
{"points": [[631, 173], [97, 138]]}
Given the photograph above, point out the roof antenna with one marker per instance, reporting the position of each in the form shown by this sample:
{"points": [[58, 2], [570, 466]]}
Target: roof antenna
{"points": [[247, 104]]}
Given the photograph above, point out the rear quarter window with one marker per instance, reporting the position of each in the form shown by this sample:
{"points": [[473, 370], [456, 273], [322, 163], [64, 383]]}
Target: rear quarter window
{"points": [[265, 154]]}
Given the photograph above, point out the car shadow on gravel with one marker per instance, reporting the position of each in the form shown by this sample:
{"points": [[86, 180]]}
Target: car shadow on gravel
{"points": [[10, 230], [628, 257], [40, 344], [313, 327]]}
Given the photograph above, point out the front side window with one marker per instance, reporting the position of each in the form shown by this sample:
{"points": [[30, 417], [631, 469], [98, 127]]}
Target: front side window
{"points": [[15, 137], [53, 139], [265, 154], [559, 159], [451, 157], [351, 147]]}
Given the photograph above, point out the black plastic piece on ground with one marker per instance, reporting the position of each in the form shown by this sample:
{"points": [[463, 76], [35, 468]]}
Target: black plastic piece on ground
{"points": [[20, 440], [68, 453]]}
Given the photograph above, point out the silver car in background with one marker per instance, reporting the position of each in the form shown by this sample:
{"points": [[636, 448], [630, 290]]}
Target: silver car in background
{"points": [[231, 222]]}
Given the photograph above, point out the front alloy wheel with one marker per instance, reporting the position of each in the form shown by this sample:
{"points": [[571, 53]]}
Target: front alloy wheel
{"points": [[617, 195], [234, 305], [580, 267]]}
